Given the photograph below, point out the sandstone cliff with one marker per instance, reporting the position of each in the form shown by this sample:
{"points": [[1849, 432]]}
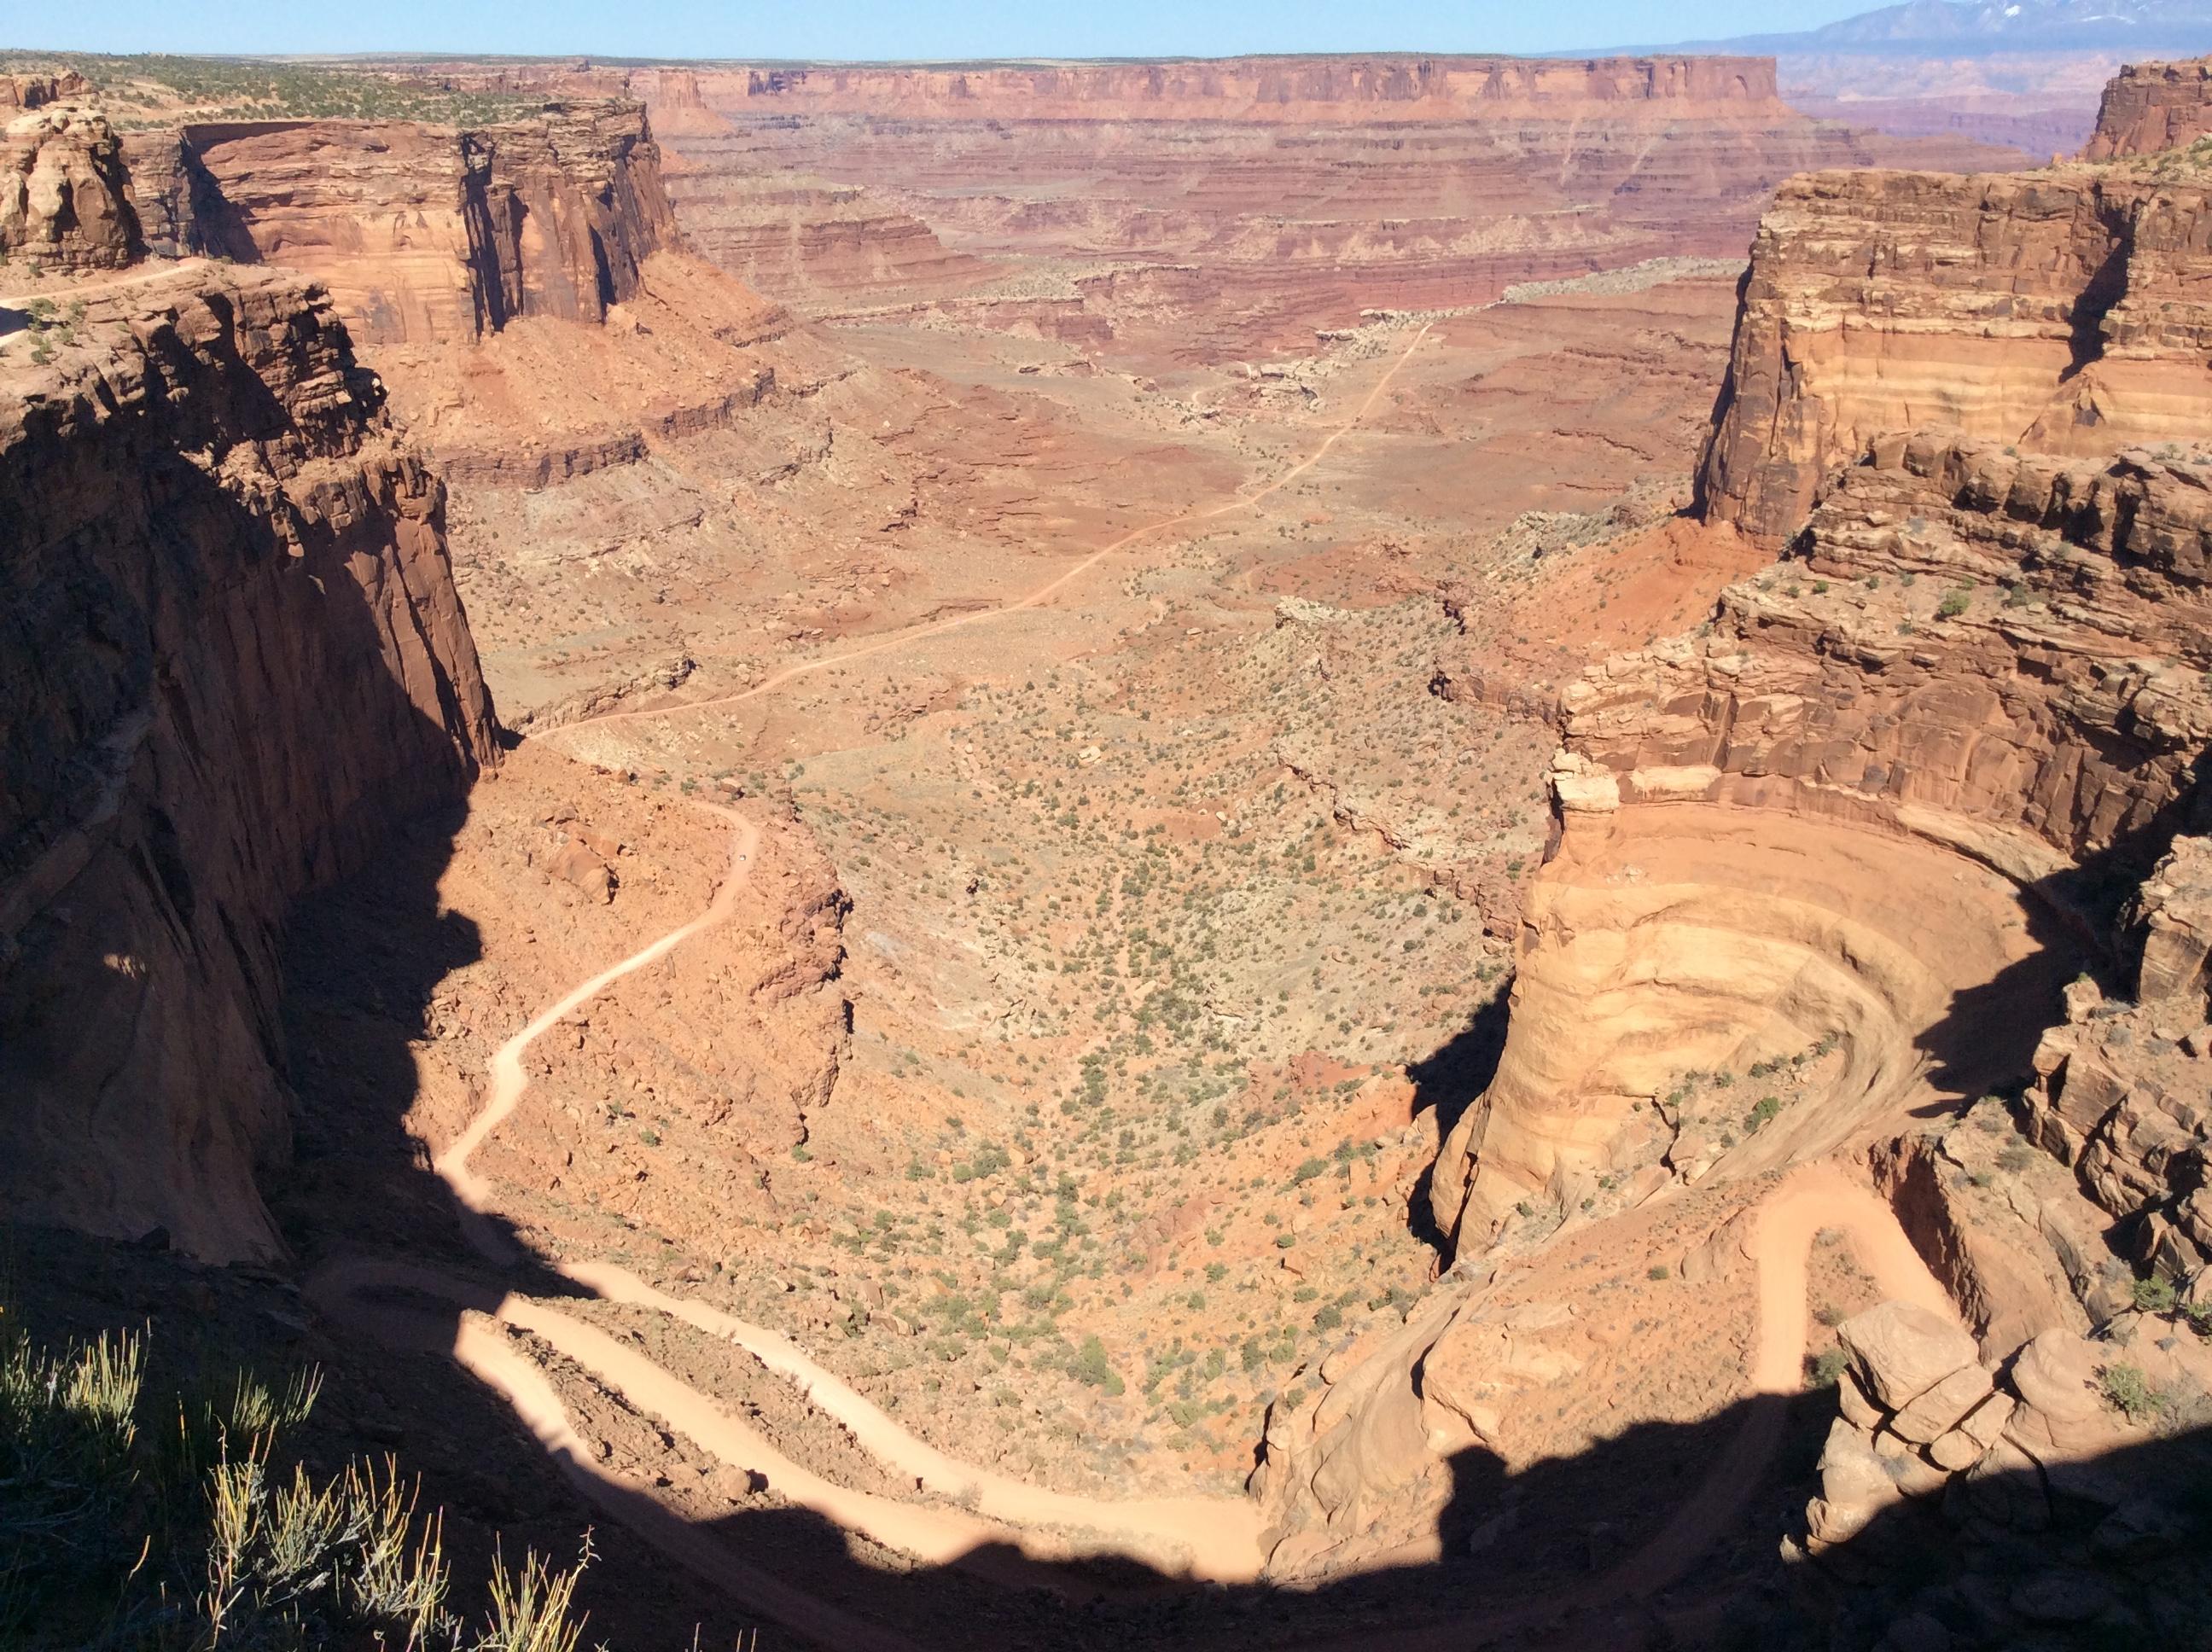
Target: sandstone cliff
{"points": [[1212, 210], [64, 192], [2149, 107], [1978, 671], [1290, 91], [2057, 311], [233, 661], [422, 234]]}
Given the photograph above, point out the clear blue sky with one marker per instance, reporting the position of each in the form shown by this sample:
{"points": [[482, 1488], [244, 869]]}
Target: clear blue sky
{"points": [[891, 28]]}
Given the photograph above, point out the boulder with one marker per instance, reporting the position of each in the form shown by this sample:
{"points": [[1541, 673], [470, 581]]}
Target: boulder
{"points": [[1900, 1351], [1932, 1414]]}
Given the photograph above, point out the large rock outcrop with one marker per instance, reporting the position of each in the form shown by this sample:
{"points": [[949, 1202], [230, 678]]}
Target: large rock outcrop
{"points": [[232, 660], [2055, 311], [422, 234], [2150, 106], [64, 192], [1978, 672]]}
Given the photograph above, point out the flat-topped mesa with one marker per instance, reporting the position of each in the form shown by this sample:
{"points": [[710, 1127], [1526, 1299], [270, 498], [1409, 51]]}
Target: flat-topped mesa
{"points": [[1800, 839], [64, 192], [2058, 311], [423, 234], [2150, 106], [1290, 90], [233, 662]]}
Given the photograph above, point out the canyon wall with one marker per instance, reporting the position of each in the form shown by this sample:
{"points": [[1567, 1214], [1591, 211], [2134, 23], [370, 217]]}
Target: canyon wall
{"points": [[2055, 311], [422, 234], [234, 662], [1198, 212], [1971, 656], [2150, 106], [1286, 91]]}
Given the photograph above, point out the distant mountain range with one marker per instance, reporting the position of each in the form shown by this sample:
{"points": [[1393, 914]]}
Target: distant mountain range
{"points": [[2137, 28]]}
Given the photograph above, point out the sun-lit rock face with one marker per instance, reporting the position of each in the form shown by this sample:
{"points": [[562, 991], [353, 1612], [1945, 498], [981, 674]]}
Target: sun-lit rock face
{"points": [[63, 189], [2150, 106], [2057, 312], [1803, 834], [422, 234], [232, 660]]}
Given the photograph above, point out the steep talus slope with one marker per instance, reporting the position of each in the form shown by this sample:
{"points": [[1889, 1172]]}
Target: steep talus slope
{"points": [[234, 660], [2150, 106], [422, 233], [2054, 310]]}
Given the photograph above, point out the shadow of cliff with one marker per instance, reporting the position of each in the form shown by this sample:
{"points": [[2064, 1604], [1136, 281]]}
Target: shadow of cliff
{"points": [[1450, 1078], [2076, 920]]}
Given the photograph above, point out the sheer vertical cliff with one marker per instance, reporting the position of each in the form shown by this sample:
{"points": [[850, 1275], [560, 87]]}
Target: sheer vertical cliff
{"points": [[1978, 672], [232, 660], [63, 195], [423, 234], [2055, 311]]}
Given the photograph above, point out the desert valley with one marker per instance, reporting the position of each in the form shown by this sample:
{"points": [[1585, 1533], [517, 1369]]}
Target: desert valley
{"points": [[1354, 850]]}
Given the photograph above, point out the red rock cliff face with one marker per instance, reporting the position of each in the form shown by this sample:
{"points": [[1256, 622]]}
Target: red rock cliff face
{"points": [[422, 234], [232, 659], [2149, 107], [2054, 311], [64, 200], [1289, 90], [1978, 671]]}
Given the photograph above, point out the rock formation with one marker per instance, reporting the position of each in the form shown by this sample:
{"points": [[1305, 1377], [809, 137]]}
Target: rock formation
{"points": [[422, 234], [34, 91], [2149, 107], [2052, 310], [64, 192], [1978, 671], [234, 662]]}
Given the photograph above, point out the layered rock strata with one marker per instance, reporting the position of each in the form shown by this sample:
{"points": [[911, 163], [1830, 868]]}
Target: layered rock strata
{"points": [[1978, 672], [63, 192], [2150, 106], [2055, 311], [1265, 197], [422, 234], [234, 661]]}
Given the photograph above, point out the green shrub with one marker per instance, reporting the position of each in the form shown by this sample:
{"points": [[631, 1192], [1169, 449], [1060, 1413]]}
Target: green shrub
{"points": [[2154, 1295], [2129, 1392], [168, 1527], [1822, 1370]]}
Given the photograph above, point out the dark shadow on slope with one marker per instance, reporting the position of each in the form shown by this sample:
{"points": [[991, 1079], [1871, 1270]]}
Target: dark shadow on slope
{"points": [[1450, 1078], [1452, 1075], [1986, 1040]]}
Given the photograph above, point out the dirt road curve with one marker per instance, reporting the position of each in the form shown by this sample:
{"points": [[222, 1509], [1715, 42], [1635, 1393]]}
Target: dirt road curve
{"points": [[1002, 1528]]}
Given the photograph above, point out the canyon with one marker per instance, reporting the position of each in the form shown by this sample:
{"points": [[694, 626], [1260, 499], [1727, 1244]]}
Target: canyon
{"points": [[1264, 868]]}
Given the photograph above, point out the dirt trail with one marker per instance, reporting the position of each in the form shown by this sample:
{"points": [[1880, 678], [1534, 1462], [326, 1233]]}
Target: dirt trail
{"points": [[1019, 1535], [1043, 593], [1785, 1225], [1015, 1528]]}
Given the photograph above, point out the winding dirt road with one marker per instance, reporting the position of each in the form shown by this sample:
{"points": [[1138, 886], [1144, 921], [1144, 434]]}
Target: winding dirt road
{"points": [[1002, 1527]]}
